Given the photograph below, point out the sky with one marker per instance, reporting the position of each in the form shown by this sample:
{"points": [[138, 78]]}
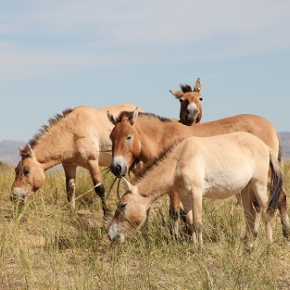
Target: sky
{"points": [[61, 54]]}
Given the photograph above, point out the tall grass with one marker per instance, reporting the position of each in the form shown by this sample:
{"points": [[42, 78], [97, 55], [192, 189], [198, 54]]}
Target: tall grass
{"points": [[46, 245]]}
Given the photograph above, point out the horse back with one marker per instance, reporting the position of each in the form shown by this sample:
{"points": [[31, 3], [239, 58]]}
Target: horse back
{"points": [[221, 166], [93, 122], [256, 125]]}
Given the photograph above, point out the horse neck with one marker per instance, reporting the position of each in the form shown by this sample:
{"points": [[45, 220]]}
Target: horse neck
{"points": [[53, 148], [158, 181], [198, 119], [157, 136]]}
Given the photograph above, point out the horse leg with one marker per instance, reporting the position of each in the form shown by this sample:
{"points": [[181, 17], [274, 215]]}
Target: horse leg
{"points": [[268, 219], [257, 218], [238, 203], [95, 172], [174, 211], [282, 206], [258, 212], [250, 217], [261, 202], [70, 177], [193, 211], [197, 213], [257, 209]]}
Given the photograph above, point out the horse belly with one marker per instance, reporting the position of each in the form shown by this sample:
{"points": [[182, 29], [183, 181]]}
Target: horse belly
{"points": [[95, 147], [222, 188], [105, 159]]}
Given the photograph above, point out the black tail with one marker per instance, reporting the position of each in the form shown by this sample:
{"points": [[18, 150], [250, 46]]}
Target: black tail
{"points": [[276, 183], [280, 150]]}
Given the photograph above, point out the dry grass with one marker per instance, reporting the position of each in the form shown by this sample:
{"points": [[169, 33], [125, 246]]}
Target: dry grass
{"points": [[45, 245]]}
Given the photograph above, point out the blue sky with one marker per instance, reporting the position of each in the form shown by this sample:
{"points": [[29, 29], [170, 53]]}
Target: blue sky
{"points": [[60, 54]]}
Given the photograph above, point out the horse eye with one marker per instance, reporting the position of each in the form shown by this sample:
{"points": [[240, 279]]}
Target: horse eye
{"points": [[26, 172], [123, 205], [128, 137], [200, 99]]}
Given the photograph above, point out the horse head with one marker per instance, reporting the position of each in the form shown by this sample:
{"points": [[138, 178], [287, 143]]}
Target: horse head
{"points": [[29, 175], [190, 103], [130, 215], [126, 146]]}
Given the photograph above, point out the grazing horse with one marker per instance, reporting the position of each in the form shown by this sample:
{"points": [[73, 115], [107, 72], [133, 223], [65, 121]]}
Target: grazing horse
{"points": [[190, 103], [78, 137], [215, 167], [143, 136]]}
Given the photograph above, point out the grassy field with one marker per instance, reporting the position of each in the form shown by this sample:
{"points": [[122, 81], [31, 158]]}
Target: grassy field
{"points": [[45, 245]]}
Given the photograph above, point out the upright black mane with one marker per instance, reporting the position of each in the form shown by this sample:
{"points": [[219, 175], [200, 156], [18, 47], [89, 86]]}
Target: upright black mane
{"points": [[128, 114], [186, 88], [45, 128]]}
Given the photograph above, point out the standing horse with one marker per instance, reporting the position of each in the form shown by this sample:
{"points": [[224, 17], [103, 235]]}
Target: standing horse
{"points": [[78, 137], [190, 103], [143, 138], [215, 167]]}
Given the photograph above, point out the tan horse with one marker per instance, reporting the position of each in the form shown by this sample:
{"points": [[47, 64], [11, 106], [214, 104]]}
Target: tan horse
{"points": [[215, 167], [79, 137], [143, 138], [190, 103]]}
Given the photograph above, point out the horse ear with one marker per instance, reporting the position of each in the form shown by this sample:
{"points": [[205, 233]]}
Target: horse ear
{"points": [[126, 184], [20, 151], [198, 86], [133, 117], [27, 151], [30, 151], [111, 118], [177, 94]]}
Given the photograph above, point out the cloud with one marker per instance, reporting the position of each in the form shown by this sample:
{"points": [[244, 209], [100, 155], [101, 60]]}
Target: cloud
{"points": [[49, 35]]}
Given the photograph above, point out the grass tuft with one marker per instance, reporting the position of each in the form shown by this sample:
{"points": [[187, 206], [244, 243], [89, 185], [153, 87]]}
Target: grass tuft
{"points": [[47, 245]]}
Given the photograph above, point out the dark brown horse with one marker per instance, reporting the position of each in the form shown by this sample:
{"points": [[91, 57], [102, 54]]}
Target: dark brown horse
{"points": [[145, 137]]}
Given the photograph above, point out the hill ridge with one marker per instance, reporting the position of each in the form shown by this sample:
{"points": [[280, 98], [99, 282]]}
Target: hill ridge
{"points": [[9, 152]]}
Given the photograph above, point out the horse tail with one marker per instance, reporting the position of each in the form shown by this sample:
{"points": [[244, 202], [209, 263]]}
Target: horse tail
{"points": [[280, 150], [276, 182]]}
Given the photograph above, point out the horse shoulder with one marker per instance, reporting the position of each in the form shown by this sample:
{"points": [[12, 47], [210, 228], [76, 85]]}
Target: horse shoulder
{"points": [[190, 165]]}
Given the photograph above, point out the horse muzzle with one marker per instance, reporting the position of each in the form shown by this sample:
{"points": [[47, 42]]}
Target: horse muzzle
{"points": [[119, 166], [191, 114], [115, 233], [18, 195]]}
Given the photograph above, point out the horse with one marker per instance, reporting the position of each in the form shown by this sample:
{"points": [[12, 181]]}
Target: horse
{"points": [[190, 103], [215, 167], [141, 137], [77, 137]]}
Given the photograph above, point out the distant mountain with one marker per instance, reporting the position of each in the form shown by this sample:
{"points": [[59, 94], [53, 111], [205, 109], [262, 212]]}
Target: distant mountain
{"points": [[9, 152], [285, 142]]}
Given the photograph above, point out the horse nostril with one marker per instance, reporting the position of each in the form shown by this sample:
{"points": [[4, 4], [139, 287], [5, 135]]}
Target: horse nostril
{"points": [[119, 168], [18, 195], [116, 169]]}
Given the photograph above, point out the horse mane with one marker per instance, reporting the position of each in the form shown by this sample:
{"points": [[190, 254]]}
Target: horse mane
{"points": [[46, 128], [128, 114], [185, 88], [161, 157]]}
